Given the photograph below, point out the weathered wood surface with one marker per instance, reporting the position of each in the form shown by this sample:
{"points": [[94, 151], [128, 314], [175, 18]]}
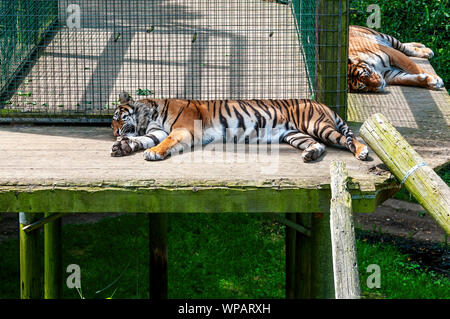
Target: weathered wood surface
{"points": [[422, 116], [398, 155], [345, 266], [60, 169]]}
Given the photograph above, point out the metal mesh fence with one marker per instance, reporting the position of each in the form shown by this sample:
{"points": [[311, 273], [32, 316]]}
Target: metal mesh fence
{"points": [[68, 60]]}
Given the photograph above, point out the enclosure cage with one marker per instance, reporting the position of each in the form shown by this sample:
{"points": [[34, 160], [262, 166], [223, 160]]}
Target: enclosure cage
{"points": [[67, 60]]}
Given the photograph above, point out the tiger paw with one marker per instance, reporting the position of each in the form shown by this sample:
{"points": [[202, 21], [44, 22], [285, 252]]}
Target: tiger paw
{"points": [[362, 153], [434, 82], [122, 147], [426, 53], [154, 154], [313, 152]]}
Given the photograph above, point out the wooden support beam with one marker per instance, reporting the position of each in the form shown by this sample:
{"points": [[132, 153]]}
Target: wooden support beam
{"points": [[322, 280], [41, 222], [158, 256], [303, 259], [290, 258], [332, 54], [409, 168], [345, 263], [30, 265], [292, 224], [52, 259]]}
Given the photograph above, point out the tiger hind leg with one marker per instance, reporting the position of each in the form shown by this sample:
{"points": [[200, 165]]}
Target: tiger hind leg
{"points": [[344, 136], [426, 80], [312, 149], [418, 50]]}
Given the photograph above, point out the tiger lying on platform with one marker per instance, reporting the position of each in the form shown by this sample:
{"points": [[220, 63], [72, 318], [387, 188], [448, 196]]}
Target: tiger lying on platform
{"points": [[377, 59], [165, 126]]}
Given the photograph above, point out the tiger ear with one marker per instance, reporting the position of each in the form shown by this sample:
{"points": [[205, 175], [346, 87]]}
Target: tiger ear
{"points": [[352, 60], [125, 98]]}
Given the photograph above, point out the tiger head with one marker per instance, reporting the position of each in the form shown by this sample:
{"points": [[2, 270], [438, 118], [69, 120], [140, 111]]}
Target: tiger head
{"points": [[124, 119], [362, 77]]}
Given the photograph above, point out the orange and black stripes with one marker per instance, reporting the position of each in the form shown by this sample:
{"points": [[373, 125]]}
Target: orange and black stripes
{"points": [[303, 123]]}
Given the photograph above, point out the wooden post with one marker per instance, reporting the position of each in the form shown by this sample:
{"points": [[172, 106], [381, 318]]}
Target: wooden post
{"points": [[345, 263], [322, 281], [303, 259], [158, 256], [30, 266], [332, 54], [52, 259], [409, 168], [290, 258]]}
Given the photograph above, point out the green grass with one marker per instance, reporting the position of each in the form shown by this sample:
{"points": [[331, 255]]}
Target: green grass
{"points": [[424, 21], [210, 256]]}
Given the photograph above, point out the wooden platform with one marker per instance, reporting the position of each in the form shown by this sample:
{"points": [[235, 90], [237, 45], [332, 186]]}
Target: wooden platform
{"points": [[76, 159]]}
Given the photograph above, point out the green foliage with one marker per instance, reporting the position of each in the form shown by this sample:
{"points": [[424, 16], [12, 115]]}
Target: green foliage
{"points": [[400, 277], [210, 256], [144, 92], [424, 21]]}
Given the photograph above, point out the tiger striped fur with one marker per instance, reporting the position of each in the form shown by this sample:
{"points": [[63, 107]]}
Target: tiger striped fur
{"points": [[377, 59], [164, 126]]}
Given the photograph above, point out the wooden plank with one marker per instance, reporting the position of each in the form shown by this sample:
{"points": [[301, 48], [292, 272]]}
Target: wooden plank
{"points": [[30, 265], [52, 259], [158, 256], [52, 155], [172, 199], [404, 162], [345, 263]]}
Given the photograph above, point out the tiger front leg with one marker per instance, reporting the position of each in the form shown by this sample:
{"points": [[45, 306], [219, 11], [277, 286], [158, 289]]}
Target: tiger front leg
{"points": [[123, 146], [127, 145], [178, 140]]}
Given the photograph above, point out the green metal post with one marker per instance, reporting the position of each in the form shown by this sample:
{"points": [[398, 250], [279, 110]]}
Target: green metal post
{"points": [[52, 259], [30, 265]]}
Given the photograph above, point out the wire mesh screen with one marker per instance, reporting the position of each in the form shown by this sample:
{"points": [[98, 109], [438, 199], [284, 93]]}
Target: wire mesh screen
{"points": [[69, 59]]}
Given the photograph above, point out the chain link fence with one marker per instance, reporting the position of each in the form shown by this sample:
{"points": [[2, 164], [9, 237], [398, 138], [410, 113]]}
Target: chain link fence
{"points": [[67, 60]]}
